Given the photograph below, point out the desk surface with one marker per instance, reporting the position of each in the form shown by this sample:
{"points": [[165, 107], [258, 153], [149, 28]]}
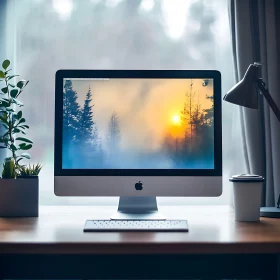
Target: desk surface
{"points": [[59, 230]]}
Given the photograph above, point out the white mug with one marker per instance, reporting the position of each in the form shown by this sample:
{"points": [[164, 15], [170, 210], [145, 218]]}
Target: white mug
{"points": [[247, 195]]}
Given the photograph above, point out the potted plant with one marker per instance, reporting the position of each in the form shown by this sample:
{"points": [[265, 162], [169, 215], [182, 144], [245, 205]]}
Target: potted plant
{"points": [[19, 185]]}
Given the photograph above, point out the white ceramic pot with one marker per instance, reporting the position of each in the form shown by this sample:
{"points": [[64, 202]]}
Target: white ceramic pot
{"points": [[19, 197], [247, 196]]}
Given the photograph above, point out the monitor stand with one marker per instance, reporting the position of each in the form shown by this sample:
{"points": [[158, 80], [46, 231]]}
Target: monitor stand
{"points": [[137, 208]]}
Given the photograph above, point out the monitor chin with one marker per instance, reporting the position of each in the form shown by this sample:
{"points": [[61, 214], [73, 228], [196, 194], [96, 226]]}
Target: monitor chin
{"points": [[173, 186]]}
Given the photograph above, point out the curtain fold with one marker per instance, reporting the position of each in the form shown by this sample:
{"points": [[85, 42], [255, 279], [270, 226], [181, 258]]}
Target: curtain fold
{"points": [[253, 29]]}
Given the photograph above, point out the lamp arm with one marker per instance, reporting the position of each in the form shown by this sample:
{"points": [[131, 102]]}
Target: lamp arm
{"points": [[268, 97]]}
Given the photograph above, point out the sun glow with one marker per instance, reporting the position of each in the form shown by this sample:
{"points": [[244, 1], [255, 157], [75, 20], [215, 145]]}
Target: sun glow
{"points": [[63, 7], [176, 119]]}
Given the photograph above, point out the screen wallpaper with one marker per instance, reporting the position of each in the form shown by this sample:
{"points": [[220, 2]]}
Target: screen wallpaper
{"points": [[138, 124]]}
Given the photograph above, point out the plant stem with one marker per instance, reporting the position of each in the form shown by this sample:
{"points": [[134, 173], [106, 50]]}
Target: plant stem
{"points": [[10, 122]]}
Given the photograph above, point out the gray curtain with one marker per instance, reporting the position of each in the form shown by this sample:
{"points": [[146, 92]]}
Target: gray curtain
{"points": [[254, 29], [3, 13]]}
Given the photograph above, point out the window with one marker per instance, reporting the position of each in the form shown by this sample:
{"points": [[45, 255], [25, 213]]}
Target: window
{"points": [[44, 36]]}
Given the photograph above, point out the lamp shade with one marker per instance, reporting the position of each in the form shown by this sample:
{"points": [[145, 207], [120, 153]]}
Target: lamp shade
{"points": [[245, 93]]}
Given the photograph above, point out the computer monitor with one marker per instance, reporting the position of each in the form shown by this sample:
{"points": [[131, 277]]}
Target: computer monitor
{"points": [[138, 134]]}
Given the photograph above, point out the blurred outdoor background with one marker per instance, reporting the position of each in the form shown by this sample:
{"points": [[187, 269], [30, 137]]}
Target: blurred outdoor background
{"points": [[43, 36]]}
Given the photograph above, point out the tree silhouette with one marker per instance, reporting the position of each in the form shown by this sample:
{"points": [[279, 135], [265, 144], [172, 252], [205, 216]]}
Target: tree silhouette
{"points": [[187, 116], [88, 130], [71, 112], [71, 120], [209, 113], [197, 143], [197, 119], [90, 145], [114, 134]]}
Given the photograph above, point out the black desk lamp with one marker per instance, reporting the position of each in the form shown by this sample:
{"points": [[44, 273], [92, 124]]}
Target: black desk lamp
{"points": [[246, 93]]}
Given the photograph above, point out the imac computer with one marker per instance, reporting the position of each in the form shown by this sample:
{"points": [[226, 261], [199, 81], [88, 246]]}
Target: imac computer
{"points": [[138, 134]]}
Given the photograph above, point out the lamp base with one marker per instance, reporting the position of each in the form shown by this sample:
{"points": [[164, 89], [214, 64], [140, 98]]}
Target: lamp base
{"points": [[270, 212]]}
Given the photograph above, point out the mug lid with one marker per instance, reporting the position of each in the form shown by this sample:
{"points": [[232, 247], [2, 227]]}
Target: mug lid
{"points": [[246, 178]]}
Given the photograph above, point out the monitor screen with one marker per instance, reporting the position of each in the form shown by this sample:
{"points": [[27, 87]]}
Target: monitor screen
{"points": [[138, 123]]}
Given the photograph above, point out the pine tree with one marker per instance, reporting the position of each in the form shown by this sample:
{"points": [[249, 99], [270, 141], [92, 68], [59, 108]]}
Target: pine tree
{"points": [[90, 148], [197, 119], [209, 113], [71, 112], [71, 124], [207, 130], [88, 131], [187, 116], [114, 134]]}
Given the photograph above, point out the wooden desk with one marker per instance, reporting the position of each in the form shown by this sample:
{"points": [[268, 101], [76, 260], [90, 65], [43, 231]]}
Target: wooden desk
{"points": [[55, 246]]}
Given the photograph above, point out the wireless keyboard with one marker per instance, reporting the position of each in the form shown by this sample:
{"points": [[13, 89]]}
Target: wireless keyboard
{"points": [[135, 225]]}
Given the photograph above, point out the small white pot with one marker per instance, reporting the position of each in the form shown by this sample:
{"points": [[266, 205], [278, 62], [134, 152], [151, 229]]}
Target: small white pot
{"points": [[247, 196], [19, 197]]}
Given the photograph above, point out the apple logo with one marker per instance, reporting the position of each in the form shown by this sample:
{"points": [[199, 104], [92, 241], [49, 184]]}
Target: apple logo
{"points": [[139, 186]]}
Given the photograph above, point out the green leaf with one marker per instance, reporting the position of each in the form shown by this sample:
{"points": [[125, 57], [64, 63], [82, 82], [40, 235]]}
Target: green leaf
{"points": [[5, 125], [11, 77], [17, 102], [14, 92], [24, 140], [2, 75], [16, 130], [13, 147], [4, 89], [14, 117], [9, 109], [27, 147], [11, 85], [4, 120], [21, 120], [26, 155], [4, 103], [6, 64], [21, 83], [22, 126], [1, 147], [19, 114], [19, 131], [22, 145]]}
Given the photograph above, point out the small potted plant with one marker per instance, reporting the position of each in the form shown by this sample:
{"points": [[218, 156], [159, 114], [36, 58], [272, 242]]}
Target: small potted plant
{"points": [[29, 171], [19, 185]]}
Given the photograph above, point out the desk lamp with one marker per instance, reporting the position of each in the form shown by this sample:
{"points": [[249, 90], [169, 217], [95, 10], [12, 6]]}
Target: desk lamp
{"points": [[246, 93]]}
